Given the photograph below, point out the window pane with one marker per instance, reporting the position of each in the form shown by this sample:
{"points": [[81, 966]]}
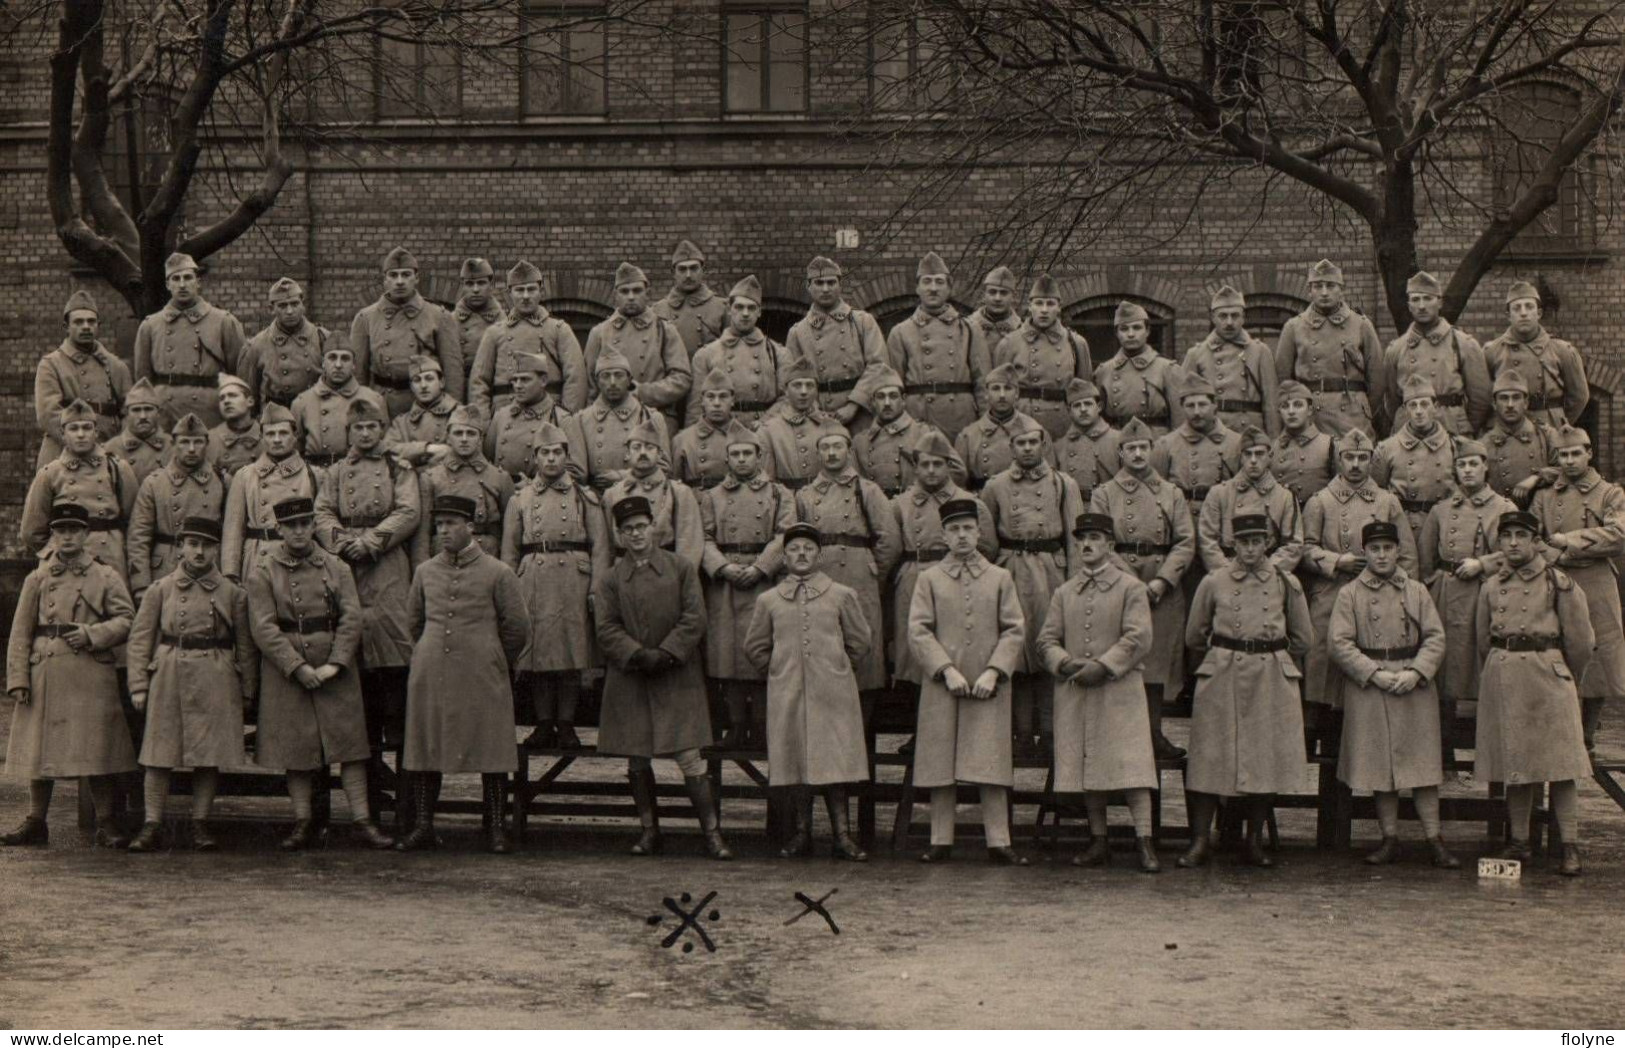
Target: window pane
{"points": [[543, 80], [787, 63], [744, 62], [397, 77], [585, 75], [441, 80], [889, 69]]}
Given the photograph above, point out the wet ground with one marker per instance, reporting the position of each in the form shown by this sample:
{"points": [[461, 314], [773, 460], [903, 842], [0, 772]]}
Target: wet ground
{"points": [[560, 935]]}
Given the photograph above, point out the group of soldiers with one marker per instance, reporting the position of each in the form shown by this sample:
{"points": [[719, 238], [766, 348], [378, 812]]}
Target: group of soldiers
{"points": [[372, 543]]}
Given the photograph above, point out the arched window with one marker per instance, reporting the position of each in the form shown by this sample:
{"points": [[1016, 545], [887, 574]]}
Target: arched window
{"points": [[1268, 313], [1092, 318], [581, 314], [779, 315], [890, 312]]}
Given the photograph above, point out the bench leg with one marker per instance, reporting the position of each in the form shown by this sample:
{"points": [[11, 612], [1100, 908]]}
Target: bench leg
{"points": [[866, 815], [904, 815], [1325, 806], [521, 798]]}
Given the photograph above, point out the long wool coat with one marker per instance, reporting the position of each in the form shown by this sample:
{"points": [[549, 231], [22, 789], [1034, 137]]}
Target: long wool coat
{"points": [[965, 614], [654, 603], [1591, 512], [555, 540], [469, 618], [249, 533], [1102, 733], [66, 374], [100, 483], [1152, 514], [1456, 529], [1050, 358], [806, 635], [166, 498], [194, 693], [72, 724], [1340, 347], [920, 529], [943, 363], [861, 545], [744, 524], [1037, 505], [375, 499]]}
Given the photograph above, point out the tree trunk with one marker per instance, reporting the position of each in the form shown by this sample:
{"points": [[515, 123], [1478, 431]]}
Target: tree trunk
{"points": [[1393, 237]]}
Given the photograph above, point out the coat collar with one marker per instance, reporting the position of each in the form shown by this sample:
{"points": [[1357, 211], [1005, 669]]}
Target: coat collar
{"points": [[653, 482], [975, 566], [194, 313], [948, 317], [1342, 491], [490, 314], [814, 585], [131, 443], [677, 299], [1239, 572], [178, 475], [92, 460], [730, 338], [411, 307], [1337, 318], [756, 483], [1214, 343], [442, 406], [355, 454], [1499, 434], [1536, 345], [1102, 578], [536, 319], [1263, 485], [230, 438], [939, 496], [79, 566], [1415, 336], [464, 557], [1192, 435], [1094, 432], [1371, 580], [1038, 472], [541, 410], [1536, 565], [348, 390], [303, 336], [1303, 438], [602, 409], [1584, 485], [895, 428], [1139, 361], [1031, 332], [1438, 438], [1130, 483], [476, 463], [817, 316], [281, 555], [1478, 498], [209, 581], [848, 478], [265, 465], [642, 321]]}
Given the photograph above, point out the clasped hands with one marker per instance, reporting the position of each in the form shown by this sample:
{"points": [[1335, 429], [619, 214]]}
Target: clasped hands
{"points": [[1396, 682], [986, 686]]}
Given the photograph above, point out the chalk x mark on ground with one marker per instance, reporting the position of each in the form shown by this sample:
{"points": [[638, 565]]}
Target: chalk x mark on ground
{"points": [[689, 919], [815, 906]]}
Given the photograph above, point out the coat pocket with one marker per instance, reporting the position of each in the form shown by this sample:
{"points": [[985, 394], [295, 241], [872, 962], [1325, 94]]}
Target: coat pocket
{"points": [[1561, 668], [1289, 668], [584, 565]]}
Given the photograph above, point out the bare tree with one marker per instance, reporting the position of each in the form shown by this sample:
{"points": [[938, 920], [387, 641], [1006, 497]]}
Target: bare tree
{"points": [[1389, 111]]}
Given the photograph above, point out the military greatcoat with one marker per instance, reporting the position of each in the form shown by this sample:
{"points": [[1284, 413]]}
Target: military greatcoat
{"points": [[944, 364], [555, 539], [1145, 386], [744, 524], [1242, 371], [842, 344], [1419, 468], [166, 498], [1243, 496], [1558, 390], [323, 415], [1453, 362], [1591, 512], [861, 545], [1338, 357], [279, 366], [541, 334], [1051, 357], [181, 352], [919, 526], [473, 478], [66, 374], [1305, 461], [1155, 540], [753, 364], [1033, 512], [100, 483], [386, 335], [1088, 456], [369, 497], [249, 531], [660, 366], [1459, 528]]}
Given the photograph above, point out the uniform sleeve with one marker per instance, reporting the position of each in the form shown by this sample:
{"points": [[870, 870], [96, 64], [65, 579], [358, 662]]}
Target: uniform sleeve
{"points": [[49, 400], [573, 388], [231, 342], [1430, 655], [1134, 639], [1319, 559], [676, 378], [618, 644], [1210, 530], [1286, 350], [449, 344], [422, 543], [360, 348], [1300, 630], [1005, 350], [1071, 509], [1269, 390], [20, 645], [138, 539], [143, 637], [235, 526], [327, 511], [576, 438], [1289, 523], [1605, 537], [690, 530], [1199, 621], [1481, 623], [1173, 378], [589, 355], [1162, 456], [347, 636], [117, 611], [416, 612], [980, 357], [873, 346], [759, 635], [693, 408], [512, 533], [1012, 641], [1475, 381], [1389, 366], [405, 510], [888, 536], [685, 635], [35, 526], [1343, 642], [988, 544], [513, 617], [1376, 378], [1182, 549], [1051, 640], [244, 652], [1427, 543], [142, 357], [771, 559], [251, 368], [1576, 391], [482, 378], [1407, 540], [922, 630], [1382, 464], [1574, 619], [1083, 362], [274, 646]]}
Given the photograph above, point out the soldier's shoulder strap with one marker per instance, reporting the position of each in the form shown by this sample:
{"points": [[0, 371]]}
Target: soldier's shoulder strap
{"points": [[1560, 580]]}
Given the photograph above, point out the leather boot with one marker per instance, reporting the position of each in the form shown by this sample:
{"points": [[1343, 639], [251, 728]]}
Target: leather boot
{"points": [[150, 839], [541, 738], [108, 835], [937, 853], [1099, 852], [370, 835], [643, 795], [30, 833], [495, 788], [1571, 861], [843, 847], [202, 839], [1386, 854], [1441, 855], [1254, 850], [800, 841], [406, 802], [907, 748], [1148, 855], [1006, 856], [1198, 854], [1516, 850], [699, 791], [568, 739], [298, 838], [425, 793]]}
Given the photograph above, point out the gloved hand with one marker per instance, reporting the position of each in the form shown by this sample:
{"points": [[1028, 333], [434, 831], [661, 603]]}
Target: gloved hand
{"points": [[645, 661]]}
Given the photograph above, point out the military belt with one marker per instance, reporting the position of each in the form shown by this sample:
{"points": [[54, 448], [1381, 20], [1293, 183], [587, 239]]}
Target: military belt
{"points": [[1248, 647], [110, 409], [360, 522], [1197, 494], [322, 458], [285, 399], [1525, 642], [925, 556], [391, 383], [920, 388], [1143, 549], [1539, 403], [1450, 400], [197, 642], [1416, 505], [1337, 385], [105, 524], [555, 546], [794, 483], [164, 538], [54, 629], [261, 534], [1449, 565], [1054, 545], [312, 624], [741, 547], [753, 405], [1119, 421], [1391, 654], [175, 378], [1230, 551], [1241, 405], [838, 385], [1050, 393], [848, 539]]}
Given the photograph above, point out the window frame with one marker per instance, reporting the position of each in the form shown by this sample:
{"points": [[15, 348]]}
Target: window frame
{"points": [[765, 10], [420, 90], [534, 10], [1163, 322]]}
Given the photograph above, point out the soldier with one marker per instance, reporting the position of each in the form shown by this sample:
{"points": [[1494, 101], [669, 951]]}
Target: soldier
{"points": [[531, 329], [1535, 637], [1253, 491], [1387, 640], [1201, 452], [510, 443], [677, 525], [598, 433], [193, 670], [187, 487], [984, 446], [817, 738], [81, 368], [85, 475], [386, 335], [790, 438], [366, 512], [141, 444], [322, 412], [477, 311], [67, 722], [1305, 459], [1417, 462], [180, 359], [1521, 450], [1137, 381], [1050, 354], [418, 434], [744, 518], [1241, 368], [468, 615], [1332, 557], [465, 472], [967, 633], [1334, 351], [699, 315], [749, 360], [1030, 503], [555, 539], [656, 357], [700, 452], [1582, 520], [997, 316], [650, 619], [279, 473], [1156, 542], [1558, 392], [1087, 451], [1102, 734], [285, 358], [939, 354], [840, 342], [882, 450], [1445, 355], [306, 620], [1246, 728], [235, 442]]}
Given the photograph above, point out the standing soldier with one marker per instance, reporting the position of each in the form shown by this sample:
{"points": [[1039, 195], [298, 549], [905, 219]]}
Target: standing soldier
{"points": [[1030, 503], [1333, 520], [306, 619], [193, 668], [385, 336], [467, 474], [468, 615], [1201, 452], [1305, 458], [790, 438], [691, 306], [278, 474], [1139, 382], [67, 722], [1388, 642], [510, 443], [699, 452], [748, 360], [187, 487], [744, 518], [1535, 637], [285, 358], [1087, 451], [555, 539], [141, 444], [1443, 354], [997, 316], [939, 354], [984, 446], [1582, 518], [840, 342], [1417, 463], [1252, 492], [1102, 736], [235, 442], [967, 633], [1334, 351], [81, 368], [531, 329], [1246, 727], [1050, 355], [883, 450], [1558, 392], [817, 738], [599, 433], [85, 475], [322, 412], [418, 434], [183, 347], [1157, 543], [677, 525], [650, 618], [1521, 449], [1241, 368], [653, 350], [476, 311]]}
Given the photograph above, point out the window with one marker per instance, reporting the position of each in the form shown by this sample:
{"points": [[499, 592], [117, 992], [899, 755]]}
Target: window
{"points": [[1092, 318], [137, 150], [766, 54], [906, 68], [778, 317], [564, 67], [1267, 314], [580, 314], [1532, 119], [416, 77], [890, 312]]}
